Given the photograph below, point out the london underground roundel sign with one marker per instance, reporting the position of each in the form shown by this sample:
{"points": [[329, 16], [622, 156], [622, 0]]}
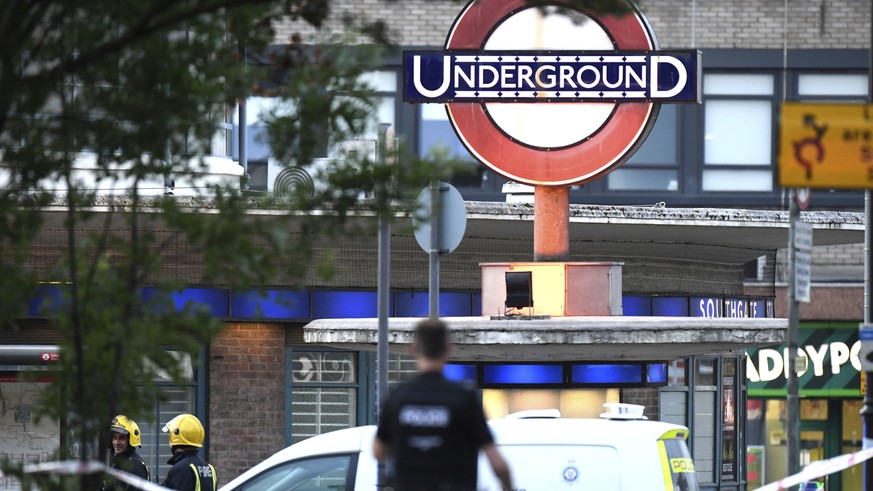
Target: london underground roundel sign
{"points": [[547, 95]]}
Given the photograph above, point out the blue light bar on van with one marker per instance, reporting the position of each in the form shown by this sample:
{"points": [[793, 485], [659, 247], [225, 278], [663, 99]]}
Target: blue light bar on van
{"points": [[460, 373], [270, 304], [522, 374], [600, 373]]}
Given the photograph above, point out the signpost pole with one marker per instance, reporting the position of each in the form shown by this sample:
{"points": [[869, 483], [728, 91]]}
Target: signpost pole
{"points": [[434, 252], [551, 223], [792, 402], [867, 409], [382, 292]]}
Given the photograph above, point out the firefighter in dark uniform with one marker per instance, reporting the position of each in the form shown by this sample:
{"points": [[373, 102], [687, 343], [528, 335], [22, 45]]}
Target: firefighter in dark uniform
{"points": [[431, 429], [125, 438], [189, 472]]}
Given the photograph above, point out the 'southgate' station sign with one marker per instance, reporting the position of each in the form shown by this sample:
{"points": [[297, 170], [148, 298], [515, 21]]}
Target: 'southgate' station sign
{"points": [[547, 94]]}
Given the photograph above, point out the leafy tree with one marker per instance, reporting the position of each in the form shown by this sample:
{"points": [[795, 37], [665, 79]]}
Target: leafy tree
{"points": [[141, 88]]}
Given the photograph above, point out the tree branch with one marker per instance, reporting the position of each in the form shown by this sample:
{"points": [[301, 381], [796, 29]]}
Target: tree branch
{"points": [[141, 30]]}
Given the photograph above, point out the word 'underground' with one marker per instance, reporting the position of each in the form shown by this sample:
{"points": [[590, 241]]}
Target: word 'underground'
{"points": [[490, 76]]}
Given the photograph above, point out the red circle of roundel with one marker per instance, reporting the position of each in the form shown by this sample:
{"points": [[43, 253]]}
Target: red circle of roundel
{"points": [[584, 161]]}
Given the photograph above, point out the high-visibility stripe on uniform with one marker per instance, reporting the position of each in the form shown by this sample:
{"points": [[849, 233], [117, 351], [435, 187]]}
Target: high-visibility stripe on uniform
{"points": [[197, 477]]}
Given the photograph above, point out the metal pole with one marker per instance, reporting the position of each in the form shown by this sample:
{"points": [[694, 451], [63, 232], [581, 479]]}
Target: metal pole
{"points": [[793, 412], [551, 224], [243, 144], [867, 408], [433, 290], [382, 292], [382, 286], [243, 130]]}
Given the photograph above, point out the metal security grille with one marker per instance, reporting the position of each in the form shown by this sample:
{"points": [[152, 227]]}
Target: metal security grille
{"points": [[401, 368], [324, 392], [156, 444], [317, 410]]}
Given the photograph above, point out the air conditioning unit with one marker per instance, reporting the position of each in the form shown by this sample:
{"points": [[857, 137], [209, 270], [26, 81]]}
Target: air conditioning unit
{"points": [[283, 179]]}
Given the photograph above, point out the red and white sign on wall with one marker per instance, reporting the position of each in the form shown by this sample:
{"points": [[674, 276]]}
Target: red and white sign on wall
{"points": [[548, 95]]}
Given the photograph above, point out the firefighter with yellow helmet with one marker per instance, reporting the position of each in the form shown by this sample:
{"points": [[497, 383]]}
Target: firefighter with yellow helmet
{"points": [[125, 438], [189, 472]]}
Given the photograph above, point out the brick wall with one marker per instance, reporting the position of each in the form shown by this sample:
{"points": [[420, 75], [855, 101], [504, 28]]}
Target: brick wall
{"points": [[647, 397], [246, 391], [833, 263], [828, 302], [754, 24]]}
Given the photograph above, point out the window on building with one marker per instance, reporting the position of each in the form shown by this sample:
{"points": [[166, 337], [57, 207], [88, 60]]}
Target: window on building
{"points": [[155, 444], [654, 166], [267, 174], [436, 137], [324, 392], [401, 368], [811, 86], [738, 132]]}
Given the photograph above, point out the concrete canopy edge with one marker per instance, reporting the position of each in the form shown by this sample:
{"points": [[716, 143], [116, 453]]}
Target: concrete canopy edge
{"points": [[564, 339]]}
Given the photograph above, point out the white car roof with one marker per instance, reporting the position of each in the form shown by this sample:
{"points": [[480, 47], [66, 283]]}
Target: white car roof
{"points": [[592, 431], [348, 440]]}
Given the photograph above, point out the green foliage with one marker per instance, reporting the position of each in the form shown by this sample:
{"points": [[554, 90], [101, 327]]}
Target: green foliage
{"points": [[143, 87]]}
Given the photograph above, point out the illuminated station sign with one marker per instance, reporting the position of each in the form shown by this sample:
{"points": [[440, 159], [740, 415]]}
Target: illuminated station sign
{"points": [[549, 95], [549, 76]]}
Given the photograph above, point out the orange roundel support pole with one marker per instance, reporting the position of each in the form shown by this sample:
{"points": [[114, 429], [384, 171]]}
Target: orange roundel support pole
{"points": [[551, 223]]}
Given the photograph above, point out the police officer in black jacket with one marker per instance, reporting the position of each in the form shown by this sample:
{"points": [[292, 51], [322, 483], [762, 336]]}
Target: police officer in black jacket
{"points": [[432, 429]]}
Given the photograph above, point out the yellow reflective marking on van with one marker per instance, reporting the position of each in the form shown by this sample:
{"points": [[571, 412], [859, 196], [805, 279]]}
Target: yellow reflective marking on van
{"points": [[665, 466], [671, 466], [670, 435], [678, 465]]}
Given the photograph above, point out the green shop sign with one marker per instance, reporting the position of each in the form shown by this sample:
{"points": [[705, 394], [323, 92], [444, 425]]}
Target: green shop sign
{"points": [[830, 355]]}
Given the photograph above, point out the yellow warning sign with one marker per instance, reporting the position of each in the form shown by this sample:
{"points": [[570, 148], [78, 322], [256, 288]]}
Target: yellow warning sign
{"points": [[826, 146]]}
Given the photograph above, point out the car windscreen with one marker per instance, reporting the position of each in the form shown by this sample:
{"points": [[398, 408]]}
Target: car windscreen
{"points": [[327, 472]]}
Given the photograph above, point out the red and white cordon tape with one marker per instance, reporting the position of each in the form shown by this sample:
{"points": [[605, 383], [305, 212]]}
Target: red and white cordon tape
{"points": [[820, 468]]}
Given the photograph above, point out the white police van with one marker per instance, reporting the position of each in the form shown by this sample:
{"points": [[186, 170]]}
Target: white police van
{"points": [[622, 451]]}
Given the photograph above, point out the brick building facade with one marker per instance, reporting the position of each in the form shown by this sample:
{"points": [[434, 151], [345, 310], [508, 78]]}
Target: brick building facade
{"points": [[679, 24]]}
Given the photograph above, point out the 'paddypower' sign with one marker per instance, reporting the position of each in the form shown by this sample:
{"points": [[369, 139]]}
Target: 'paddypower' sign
{"points": [[545, 94]]}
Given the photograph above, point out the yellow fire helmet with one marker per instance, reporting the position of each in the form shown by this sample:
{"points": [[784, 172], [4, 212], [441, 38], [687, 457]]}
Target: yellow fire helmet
{"points": [[185, 429], [126, 426]]}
